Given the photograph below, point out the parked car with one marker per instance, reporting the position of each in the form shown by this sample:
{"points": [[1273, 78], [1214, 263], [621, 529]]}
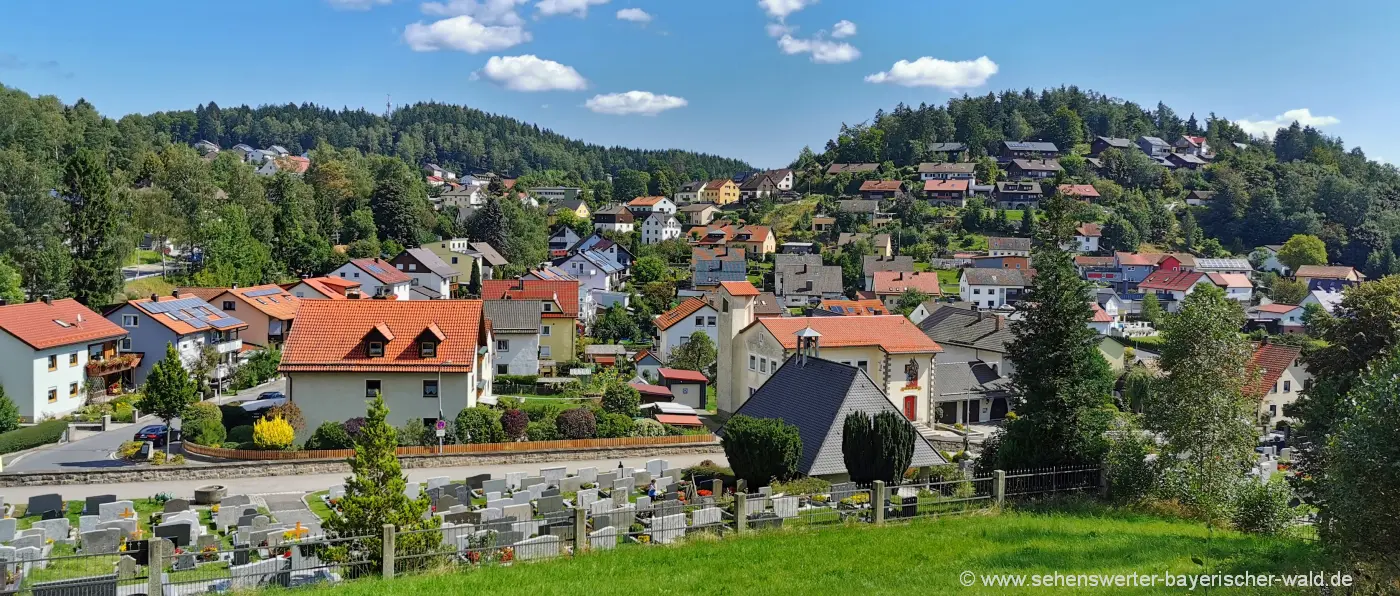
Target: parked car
{"points": [[155, 433], [265, 400]]}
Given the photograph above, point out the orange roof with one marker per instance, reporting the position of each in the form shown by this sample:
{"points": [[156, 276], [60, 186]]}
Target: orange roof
{"points": [[191, 308], [1091, 261], [1177, 281], [563, 292], [1089, 230], [206, 294], [676, 374], [896, 282], [645, 201], [1276, 308], [652, 390], [945, 185], [381, 270], [739, 288], [1128, 258], [1079, 190], [330, 336], [718, 253], [333, 288], [42, 325], [293, 164], [855, 308], [1325, 272], [679, 419], [680, 313], [1099, 315], [717, 183], [891, 333], [270, 300], [1230, 280], [1269, 360], [881, 185]]}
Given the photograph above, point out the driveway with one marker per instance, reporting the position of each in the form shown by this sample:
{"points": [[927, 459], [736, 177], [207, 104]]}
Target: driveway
{"points": [[95, 451]]}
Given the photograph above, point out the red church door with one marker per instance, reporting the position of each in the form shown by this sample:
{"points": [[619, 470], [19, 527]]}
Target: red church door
{"points": [[911, 407]]}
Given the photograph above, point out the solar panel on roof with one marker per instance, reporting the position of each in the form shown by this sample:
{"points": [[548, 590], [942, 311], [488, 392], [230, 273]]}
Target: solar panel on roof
{"points": [[374, 269], [264, 292]]}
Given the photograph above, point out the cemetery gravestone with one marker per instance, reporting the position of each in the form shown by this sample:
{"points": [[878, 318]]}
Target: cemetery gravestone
{"points": [[8, 526], [176, 505], [552, 476], [87, 523], [785, 507], [54, 529], [116, 510], [531, 481], [519, 512], [641, 479], [537, 548], [477, 481], [587, 475], [550, 504], [42, 504], [495, 485], [655, 466], [446, 502], [513, 479], [643, 503], [708, 516], [665, 530], [603, 539], [439, 481], [606, 479], [93, 504]]}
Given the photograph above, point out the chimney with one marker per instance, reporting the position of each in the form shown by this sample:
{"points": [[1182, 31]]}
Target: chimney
{"points": [[155, 298], [175, 293], [980, 313], [999, 320], [48, 299], [4, 302]]}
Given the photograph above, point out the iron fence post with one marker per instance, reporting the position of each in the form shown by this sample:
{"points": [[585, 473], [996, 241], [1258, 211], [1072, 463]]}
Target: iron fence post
{"points": [[580, 530], [877, 500], [388, 545], [999, 486], [741, 512]]}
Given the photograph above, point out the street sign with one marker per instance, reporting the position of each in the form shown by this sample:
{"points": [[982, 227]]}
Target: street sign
{"points": [[441, 425]]}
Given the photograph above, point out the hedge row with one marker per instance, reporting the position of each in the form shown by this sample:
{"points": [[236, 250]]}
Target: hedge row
{"points": [[32, 436]]}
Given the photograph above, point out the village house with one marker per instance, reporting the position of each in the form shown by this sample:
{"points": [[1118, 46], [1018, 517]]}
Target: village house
{"points": [[1086, 237], [614, 219], [1197, 198], [641, 207], [889, 286], [189, 323], [52, 352], [1192, 145], [946, 193], [1001, 262], [721, 191], [675, 327], [687, 387], [515, 325], [1153, 146], [1186, 160], [561, 241], [557, 194], [1017, 195], [377, 277], [1225, 265], [948, 151], [1270, 261], [698, 214], [268, 310], [823, 224], [869, 209], [872, 264], [1008, 247], [601, 244], [429, 360], [559, 312], [660, 227], [758, 186], [757, 241], [883, 244], [948, 171], [970, 336], [1033, 169], [1333, 278], [993, 288], [783, 179], [1101, 144], [595, 271], [1279, 376], [690, 191], [1027, 150], [801, 280], [1172, 285], [1283, 318], [850, 308], [430, 278], [1329, 301], [578, 207], [969, 393], [1082, 192], [881, 190], [646, 363], [711, 265], [1099, 269]]}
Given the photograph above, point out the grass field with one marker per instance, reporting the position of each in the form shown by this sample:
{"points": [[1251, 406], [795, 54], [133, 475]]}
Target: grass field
{"points": [[150, 285], [143, 257], [921, 557]]}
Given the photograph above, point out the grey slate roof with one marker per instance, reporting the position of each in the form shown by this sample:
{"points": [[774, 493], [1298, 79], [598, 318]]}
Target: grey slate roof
{"points": [[518, 316], [1118, 142], [1041, 146], [796, 259], [806, 279], [967, 379], [1007, 243], [433, 262], [858, 206], [873, 263], [940, 147], [958, 168], [959, 327], [996, 277], [767, 304], [488, 253], [815, 395]]}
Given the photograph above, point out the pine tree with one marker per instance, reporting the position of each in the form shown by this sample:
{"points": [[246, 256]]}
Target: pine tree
{"points": [[474, 285], [1028, 223], [374, 496], [92, 229], [396, 203], [1190, 232], [1062, 381], [857, 447], [9, 413], [489, 225], [169, 390]]}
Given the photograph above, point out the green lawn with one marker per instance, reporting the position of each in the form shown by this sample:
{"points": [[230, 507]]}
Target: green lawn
{"points": [[143, 257], [948, 280], [921, 557]]}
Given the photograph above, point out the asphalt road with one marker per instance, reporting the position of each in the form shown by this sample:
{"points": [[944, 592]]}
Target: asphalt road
{"points": [[95, 451], [318, 482]]}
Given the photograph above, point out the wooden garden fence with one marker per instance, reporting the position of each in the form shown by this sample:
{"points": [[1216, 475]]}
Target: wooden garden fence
{"points": [[475, 448]]}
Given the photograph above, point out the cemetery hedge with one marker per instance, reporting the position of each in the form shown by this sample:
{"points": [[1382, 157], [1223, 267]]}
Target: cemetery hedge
{"points": [[30, 437]]}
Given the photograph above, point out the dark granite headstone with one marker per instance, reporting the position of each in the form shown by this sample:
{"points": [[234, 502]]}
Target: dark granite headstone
{"points": [[90, 507], [176, 506], [177, 534], [762, 521], [139, 550], [98, 585], [241, 553], [550, 492], [41, 504], [474, 482]]}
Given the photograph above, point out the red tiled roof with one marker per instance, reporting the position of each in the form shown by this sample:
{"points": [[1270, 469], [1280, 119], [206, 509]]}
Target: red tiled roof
{"points": [[679, 419], [205, 294], [1173, 281], [739, 288], [1325, 272], [329, 336], [716, 184], [1099, 315], [1276, 308], [1230, 280], [718, 253], [896, 282], [38, 324], [293, 164], [652, 390], [680, 313], [645, 201], [1079, 190], [881, 185], [565, 293], [891, 333], [945, 185], [280, 305], [855, 308], [676, 374], [333, 288], [1269, 361], [381, 270], [1090, 261], [1091, 230], [1128, 258]]}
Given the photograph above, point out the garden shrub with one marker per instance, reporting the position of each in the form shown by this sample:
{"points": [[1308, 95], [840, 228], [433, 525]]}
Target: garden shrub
{"points": [[273, 434], [412, 433], [289, 412], [541, 431], [646, 427], [9, 413], [479, 425], [240, 434], [235, 416], [1130, 476], [203, 424], [353, 426], [708, 470], [621, 398], [543, 411], [330, 435], [802, 486], [577, 423], [29, 437], [129, 450], [761, 450], [1262, 507], [615, 426], [513, 423]]}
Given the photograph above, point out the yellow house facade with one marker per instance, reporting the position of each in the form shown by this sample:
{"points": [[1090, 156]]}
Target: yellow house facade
{"points": [[720, 192]]}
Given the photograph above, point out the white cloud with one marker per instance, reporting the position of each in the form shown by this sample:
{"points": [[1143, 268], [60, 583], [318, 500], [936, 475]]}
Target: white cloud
{"points": [[843, 29], [356, 4], [823, 51], [780, 9], [532, 73], [780, 29], [932, 72], [578, 8], [636, 15], [486, 12], [462, 33], [634, 102], [1302, 116]]}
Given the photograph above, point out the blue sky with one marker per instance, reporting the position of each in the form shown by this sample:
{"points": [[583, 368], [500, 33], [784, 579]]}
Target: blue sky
{"points": [[754, 79]]}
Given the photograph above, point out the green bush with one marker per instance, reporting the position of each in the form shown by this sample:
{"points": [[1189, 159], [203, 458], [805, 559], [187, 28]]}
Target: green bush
{"points": [[9, 413], [621, 398], [289, 412], [330, 435], [543, 411], [204, 432], [577, 423], [1262, 507], [240, 434], [646, 427], [761, 450], [1131, 477], [541, 431], [479, 425], [235, 416], [706, 471], [615, 426], [802, 486], [514, 422], [29, 437], [416, 434]]}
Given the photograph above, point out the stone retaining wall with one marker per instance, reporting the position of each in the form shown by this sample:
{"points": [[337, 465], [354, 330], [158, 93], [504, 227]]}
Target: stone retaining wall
{"points": [[312, 467]]}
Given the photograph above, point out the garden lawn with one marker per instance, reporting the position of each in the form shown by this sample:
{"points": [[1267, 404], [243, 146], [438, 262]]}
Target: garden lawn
{"points": [[920, 557]]}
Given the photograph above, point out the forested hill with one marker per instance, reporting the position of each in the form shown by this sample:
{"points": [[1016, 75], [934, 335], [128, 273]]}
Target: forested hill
{"points": [[458, 138], [1299, 182]]}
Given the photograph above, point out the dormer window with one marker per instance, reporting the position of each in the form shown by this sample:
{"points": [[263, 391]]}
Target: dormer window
{"points": [[548, 306], [375, 349], [427, 349]]}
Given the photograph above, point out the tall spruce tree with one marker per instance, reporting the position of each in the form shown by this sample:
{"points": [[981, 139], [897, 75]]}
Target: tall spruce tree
{"points": [[1063, 385], [169, 390], [92, 230], [396, 203], [489, 225]]}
